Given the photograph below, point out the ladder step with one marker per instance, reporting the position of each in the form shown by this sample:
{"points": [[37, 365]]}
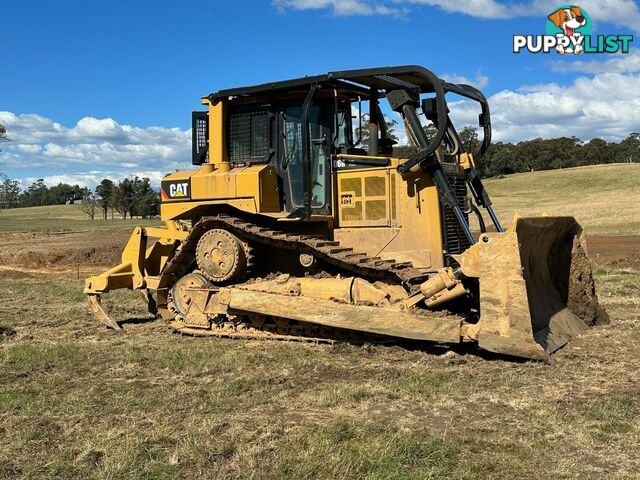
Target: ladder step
{"points": [[326, 243], [379, 263], [352, 256], [335, 251], [402, 265]]}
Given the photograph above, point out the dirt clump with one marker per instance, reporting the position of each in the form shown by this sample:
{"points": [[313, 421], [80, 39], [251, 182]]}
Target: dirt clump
{"points": [[6, 332], [582, 298]]}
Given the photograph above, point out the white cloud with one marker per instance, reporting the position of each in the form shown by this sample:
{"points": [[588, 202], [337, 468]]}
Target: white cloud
{"points": [[619, 12], [41, 144], [343, 7], [604, 106], [29, 148], [623, 63], [475, 8], [479, 81]]}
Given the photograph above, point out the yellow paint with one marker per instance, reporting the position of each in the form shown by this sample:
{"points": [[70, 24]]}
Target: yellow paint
{"points": [[465, 160], [217, 143], [409, 230], [252, 189]]}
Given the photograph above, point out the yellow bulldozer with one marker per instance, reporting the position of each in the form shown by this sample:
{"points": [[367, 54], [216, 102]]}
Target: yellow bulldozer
{"points": [[300, 223]]}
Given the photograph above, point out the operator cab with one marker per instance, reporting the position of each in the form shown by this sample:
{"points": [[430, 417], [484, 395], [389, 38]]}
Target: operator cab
{"points": [[304, 129], [270, 128]]}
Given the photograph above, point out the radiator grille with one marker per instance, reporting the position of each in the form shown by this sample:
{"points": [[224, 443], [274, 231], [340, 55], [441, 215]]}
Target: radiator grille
{"points": [[455, 240], [249, 136], [374, 186], [352, 214]]}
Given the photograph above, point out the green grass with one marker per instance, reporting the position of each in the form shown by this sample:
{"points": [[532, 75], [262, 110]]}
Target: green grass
{"points": [[601, 197], [57, 218], [623, 282]]}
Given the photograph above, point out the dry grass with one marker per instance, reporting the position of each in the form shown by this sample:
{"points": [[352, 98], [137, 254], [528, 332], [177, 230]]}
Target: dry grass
{"points": [[78, 401], [601, 197], [60, 218]]}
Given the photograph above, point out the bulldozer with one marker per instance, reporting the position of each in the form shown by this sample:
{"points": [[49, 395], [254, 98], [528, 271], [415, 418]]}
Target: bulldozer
{"points": [[299, 223]]}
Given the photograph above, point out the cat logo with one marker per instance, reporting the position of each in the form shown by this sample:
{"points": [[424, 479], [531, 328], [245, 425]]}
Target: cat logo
{"points": [[175, 190]]}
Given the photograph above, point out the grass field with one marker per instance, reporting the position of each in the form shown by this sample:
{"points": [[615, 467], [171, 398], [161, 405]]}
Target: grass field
{"points": [[79, 401], [56, 218], [603, 198]]}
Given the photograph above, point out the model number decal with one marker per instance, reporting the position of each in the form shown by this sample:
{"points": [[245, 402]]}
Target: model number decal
{"points": [[347, 200]]}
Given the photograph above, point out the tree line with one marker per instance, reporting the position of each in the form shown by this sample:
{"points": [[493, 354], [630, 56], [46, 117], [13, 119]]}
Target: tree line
{"points": [[128, 197], [504, 158], [131, 196]]}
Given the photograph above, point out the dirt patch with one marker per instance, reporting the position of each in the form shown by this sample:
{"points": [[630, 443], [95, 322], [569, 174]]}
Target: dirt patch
{"points": [[615, 252], [6, 332], [63, 249]]}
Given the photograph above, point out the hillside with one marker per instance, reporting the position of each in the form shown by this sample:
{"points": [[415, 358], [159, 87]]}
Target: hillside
{"points": [[603, 197], [57, 218]]}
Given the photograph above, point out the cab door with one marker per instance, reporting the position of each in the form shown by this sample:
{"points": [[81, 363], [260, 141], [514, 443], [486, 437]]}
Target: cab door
{"points": [[290, 159]]}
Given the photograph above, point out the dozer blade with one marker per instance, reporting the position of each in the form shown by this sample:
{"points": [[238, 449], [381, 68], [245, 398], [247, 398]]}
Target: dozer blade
{"points": [[537, 290]]}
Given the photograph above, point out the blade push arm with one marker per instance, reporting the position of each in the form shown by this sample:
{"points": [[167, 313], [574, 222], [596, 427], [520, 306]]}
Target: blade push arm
{"points": [[405, 103]]}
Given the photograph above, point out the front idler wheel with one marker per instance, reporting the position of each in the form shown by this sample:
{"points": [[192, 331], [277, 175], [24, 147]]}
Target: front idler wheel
{"points": [[181, 295]]}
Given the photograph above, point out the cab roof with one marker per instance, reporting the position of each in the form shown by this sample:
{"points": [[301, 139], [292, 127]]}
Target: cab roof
{"points": [[354, 83]]}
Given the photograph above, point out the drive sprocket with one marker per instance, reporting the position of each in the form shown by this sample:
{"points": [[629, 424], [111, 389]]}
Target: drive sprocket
{"points": [[221, 256]]}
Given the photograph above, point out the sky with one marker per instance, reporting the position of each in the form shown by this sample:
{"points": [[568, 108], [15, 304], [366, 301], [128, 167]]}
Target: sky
{"points": [[90, 90]]}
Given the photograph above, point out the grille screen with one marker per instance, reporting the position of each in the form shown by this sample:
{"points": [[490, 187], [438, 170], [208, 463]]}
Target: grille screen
{"points": [[352, 214], [455, 240], [375, 209], [199, 137], [249, 136], [351, 185], [374, 186]]}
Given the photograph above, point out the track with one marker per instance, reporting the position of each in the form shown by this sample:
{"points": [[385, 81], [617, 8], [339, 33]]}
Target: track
{"points": [[290, 332], [330, 252], [246, 331]]}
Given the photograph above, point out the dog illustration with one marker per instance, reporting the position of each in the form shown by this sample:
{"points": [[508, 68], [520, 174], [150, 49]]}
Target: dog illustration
{"points": [[569, 20]]}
